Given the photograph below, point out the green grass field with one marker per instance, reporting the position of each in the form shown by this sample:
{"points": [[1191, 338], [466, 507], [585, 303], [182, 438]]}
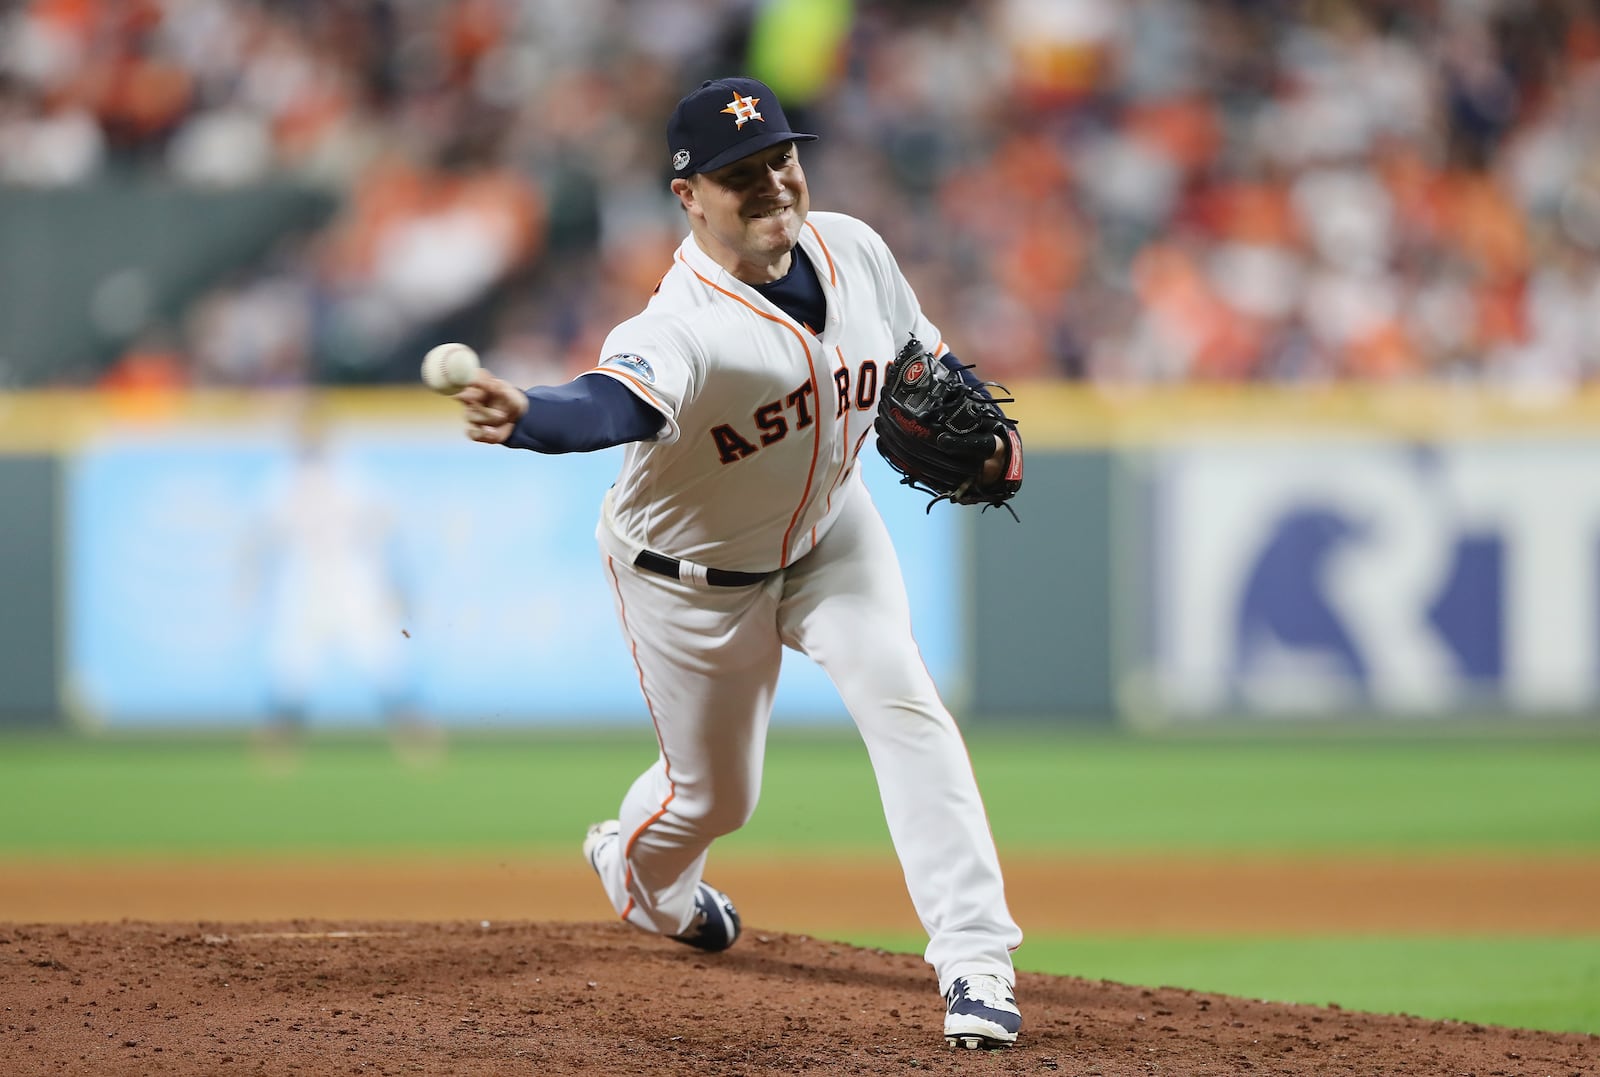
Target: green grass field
{"points": [[1046, 792]]}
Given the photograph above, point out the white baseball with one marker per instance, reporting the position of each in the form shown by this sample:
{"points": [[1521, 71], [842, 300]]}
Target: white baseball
{"points": [[449, 368]]}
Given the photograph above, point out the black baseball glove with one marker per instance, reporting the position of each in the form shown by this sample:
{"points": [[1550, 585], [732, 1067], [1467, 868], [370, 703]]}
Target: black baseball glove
{"points": [[937, 431]]}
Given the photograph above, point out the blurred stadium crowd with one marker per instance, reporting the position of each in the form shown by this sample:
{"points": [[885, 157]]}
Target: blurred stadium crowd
{"points": [[1119, 191]]}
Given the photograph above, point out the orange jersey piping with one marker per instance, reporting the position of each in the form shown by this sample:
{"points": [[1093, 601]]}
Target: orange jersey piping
{"points": [[811, 367], [644, 390], [833, 277], [666, 764]]}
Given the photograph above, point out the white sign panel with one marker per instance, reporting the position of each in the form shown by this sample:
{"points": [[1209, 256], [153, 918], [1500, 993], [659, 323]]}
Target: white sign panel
{"points": [[1352, 576]]}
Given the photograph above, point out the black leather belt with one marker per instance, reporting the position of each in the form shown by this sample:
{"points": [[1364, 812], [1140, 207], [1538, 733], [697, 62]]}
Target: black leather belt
{"points": [[716, 577]]}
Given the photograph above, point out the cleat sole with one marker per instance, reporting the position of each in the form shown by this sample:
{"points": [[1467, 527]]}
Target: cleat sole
{"points": [[975, 1043]]}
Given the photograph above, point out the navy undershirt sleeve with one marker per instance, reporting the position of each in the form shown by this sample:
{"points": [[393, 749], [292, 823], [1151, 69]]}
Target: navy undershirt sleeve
{"points": [[949, 359], [590, 412]]}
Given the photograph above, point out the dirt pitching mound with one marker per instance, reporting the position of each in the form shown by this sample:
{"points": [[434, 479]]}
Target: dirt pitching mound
{"points": [[320, 997]]}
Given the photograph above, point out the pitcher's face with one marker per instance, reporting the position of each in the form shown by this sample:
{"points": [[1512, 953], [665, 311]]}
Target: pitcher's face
{"points": [[747, 215]]}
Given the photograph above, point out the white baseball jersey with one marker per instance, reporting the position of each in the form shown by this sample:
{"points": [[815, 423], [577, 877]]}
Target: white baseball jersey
{"points": [[764, 419]]}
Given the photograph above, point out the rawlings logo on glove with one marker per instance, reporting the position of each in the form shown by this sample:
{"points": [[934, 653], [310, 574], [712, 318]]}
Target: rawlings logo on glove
{"points": [[938, 432]]}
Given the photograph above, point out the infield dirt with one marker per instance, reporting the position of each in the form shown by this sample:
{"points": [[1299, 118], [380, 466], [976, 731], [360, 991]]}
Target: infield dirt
{"points": [[429, 998], [429, 980]]}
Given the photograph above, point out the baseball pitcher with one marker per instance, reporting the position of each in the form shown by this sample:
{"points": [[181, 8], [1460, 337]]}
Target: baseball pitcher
{"points": [[745, 392]]}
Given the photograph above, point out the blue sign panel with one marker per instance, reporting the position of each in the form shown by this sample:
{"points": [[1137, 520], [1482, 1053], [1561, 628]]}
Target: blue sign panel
{"points": [[381, 573]]}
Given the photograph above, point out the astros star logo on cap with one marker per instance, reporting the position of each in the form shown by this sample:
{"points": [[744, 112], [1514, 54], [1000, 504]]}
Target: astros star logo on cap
{"points": [[743, 109]]}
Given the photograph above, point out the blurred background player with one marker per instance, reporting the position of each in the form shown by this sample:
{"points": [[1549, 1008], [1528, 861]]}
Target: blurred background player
{"points": [[333, 601], [740, 525]]}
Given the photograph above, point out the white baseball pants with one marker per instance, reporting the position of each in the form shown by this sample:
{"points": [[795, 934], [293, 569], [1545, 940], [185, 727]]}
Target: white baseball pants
{"points": [[708, 659]]}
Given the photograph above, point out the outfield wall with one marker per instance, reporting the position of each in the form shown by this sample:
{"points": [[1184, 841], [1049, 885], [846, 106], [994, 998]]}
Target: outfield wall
{"points": [[341, 561], [30, 673], [1182, 557]]}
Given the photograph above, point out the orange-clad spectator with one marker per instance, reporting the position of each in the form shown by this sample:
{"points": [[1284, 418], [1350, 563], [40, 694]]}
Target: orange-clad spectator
{"points": [[314, 110], [1482, 221], [1004, 339], [1416, 189], [1204, 338], [73, 16], [390, 190], [1247, 211], [472, 30], [1044, 257], [1385, 353], [148, 364], [1501, 317], [1029, 167], [138, 97], [965, 203], [1229, 349], [92, 23], [1583, 38], [145, 380], [1184, 129], [510, 202]]}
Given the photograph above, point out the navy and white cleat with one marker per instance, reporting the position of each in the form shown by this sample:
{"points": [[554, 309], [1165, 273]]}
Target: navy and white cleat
{"points": [[715, 925], [716, 922], [981, 1011]]}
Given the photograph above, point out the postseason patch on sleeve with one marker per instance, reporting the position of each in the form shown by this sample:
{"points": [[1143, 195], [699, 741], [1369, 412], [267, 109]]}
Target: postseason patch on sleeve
{"points": [[634, 364]]}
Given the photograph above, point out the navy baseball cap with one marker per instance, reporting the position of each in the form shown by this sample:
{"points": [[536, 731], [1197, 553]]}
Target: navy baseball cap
{"points": [[724, 120]]}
